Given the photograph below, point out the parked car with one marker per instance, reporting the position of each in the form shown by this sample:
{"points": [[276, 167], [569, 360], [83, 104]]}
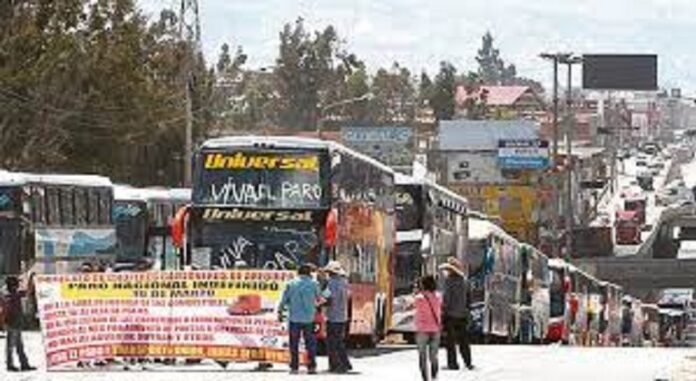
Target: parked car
{"points": [[645, 180]]}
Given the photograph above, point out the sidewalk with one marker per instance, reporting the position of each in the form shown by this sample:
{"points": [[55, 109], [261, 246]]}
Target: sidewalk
{"points": [[684, 370]]}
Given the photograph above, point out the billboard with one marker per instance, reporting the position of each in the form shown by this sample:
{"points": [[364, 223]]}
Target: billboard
{"points": [[620, 72], [523, 154], [473, 168], [393, 146]]}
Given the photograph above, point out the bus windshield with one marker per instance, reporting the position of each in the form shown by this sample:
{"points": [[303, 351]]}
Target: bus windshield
{"points": [[130, 218], [409, 210], [258, 245], [262, 179]]}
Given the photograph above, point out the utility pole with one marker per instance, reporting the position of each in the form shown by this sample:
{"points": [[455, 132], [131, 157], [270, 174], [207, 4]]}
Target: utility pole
{"points": [[189, 32], [555, 58], [570, 165]]}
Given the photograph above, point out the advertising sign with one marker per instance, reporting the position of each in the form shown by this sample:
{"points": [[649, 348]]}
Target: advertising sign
{"points": [[222, 315], [523, 154], [619, 72], [393, 146], [473, 168]]}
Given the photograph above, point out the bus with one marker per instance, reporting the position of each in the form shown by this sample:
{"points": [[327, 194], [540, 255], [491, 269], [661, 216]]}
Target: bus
{"points": [[534, 294], [610, 330], [52, 224], [431, 226], [142, 217], [585, 300], [277, 202], [495, 280]]}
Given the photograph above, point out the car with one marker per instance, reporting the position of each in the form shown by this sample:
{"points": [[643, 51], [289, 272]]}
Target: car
{"points": [[674, 193]]}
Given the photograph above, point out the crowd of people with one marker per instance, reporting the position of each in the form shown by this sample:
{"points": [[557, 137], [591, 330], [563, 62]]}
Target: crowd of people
{"points": [[436, 312]]}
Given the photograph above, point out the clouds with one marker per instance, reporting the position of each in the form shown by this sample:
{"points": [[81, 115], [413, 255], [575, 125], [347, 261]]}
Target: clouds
{"points": [[420, 33]]}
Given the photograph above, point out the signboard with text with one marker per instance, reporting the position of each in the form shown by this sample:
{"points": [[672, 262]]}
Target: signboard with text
{"points": [[523, 154], [221, 315], [391, 145]]}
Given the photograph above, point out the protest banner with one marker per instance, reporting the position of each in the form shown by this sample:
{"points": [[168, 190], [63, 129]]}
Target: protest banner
{"points": [[221, 315]]}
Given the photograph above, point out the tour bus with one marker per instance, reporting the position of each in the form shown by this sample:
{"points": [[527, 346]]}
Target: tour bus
{"points": [[142, 217], [495, 279], [610, 324], [560, 316], [53, 223], [431, 226], [535, 295], [585, 301], [276, 202]]}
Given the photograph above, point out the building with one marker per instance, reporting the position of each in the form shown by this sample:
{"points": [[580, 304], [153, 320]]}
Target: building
{"points": [[473, 159], [503, 102]]}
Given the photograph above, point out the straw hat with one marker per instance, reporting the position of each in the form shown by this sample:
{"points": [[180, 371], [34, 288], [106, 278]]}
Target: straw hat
{"points": [[453, 264], [335, 267]]}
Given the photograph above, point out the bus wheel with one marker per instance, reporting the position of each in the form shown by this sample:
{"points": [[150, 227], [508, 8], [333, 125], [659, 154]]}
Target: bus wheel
{"points": [[409, 338], [321, 347]]}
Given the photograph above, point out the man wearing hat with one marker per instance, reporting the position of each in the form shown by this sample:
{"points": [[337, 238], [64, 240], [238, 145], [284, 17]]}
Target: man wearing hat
{"points": [[456, 312], [13, 322], [336, 293]]}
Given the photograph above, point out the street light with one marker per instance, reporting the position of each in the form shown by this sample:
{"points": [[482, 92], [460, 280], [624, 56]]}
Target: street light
{"points": [[322, 112]]}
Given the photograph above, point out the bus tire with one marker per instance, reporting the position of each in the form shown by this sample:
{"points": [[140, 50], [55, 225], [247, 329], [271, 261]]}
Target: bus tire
{"points": [[409, 338]]}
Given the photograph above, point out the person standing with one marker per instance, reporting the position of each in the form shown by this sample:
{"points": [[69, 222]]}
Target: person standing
{"points": [[428, 325], [456, 312], [13, 323], [300, 298], [336, 293]]}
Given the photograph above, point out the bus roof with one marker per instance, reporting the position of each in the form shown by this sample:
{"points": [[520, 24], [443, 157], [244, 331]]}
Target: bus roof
{"points": [[20, 178], [288, 142], [482, 229], [127, 192]]}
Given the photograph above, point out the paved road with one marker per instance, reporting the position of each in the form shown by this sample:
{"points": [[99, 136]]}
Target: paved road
{"points": [[499, 363]]}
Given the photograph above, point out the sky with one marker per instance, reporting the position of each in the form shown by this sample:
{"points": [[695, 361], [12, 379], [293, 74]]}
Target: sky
{"points": [[421, 33]]}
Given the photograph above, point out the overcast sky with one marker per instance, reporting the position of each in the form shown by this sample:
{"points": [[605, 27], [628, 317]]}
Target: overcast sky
{"points": [[420, 33]]}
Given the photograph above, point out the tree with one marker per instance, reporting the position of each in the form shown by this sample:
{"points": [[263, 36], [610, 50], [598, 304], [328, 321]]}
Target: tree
{"points": [[490, 63], [395, 96], [357, 85], [475, 103], [494, 71], [93, 87], [311, 72], [425, 89], [443, 93]]}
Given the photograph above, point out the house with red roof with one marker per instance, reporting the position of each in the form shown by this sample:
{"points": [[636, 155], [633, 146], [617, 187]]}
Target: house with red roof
{"points": [[503, 102]]}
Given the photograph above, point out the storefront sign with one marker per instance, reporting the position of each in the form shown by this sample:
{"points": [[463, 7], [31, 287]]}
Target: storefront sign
{"points": [[523, 154]]}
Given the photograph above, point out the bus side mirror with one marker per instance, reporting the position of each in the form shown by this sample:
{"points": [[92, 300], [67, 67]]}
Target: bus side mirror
{"points": [[331, 228]]}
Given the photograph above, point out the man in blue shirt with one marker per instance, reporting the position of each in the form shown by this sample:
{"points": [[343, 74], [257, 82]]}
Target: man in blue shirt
{"points": [[300, 298], [336, 293]]}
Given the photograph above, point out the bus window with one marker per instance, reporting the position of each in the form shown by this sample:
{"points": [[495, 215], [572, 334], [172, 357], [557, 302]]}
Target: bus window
{"points": [[38, 205], [53, 209], [557, 294], [104, 207], [93, 207], [81, 200], [67, 206]]}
